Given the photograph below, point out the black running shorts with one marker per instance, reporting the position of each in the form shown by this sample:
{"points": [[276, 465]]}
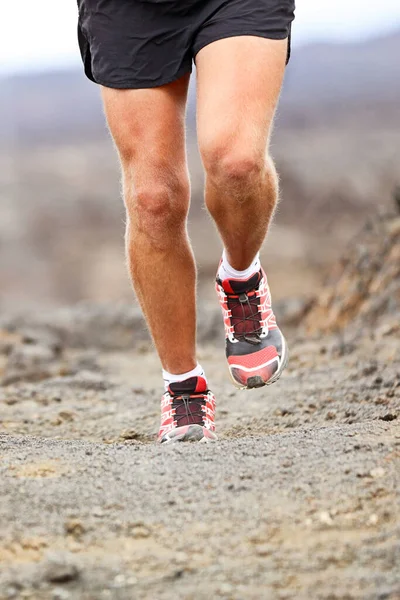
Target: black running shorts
{"points": [[147, 43]]}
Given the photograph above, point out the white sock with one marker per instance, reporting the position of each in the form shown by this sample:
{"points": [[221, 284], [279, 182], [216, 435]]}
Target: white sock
{"points": [[170, 378], [226, 271]]}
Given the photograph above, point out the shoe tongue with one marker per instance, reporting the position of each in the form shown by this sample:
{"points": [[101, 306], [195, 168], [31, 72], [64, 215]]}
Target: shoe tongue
{"points": [[193, 385], [240, 286]]}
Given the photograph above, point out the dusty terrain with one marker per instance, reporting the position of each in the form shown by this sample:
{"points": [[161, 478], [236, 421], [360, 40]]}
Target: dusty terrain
{"points": [[299, 498]]}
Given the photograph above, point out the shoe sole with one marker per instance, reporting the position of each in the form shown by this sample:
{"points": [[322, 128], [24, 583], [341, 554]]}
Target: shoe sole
{"points": [[189, 433], [256, 381]]}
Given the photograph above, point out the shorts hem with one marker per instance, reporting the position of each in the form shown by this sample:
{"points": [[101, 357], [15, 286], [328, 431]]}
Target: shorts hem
{"points": [[224, 36], [137, 85]]}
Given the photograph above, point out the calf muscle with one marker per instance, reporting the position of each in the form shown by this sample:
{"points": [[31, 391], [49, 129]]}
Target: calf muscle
{"points": [[236, 105], [148, 129]]}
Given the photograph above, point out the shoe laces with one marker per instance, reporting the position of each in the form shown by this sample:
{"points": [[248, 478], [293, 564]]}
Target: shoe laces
{"points": [[245, 317], [189, 408]]}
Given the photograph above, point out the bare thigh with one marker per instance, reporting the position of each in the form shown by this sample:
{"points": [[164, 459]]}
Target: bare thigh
{"points": [[239, 82], [148, 128]]}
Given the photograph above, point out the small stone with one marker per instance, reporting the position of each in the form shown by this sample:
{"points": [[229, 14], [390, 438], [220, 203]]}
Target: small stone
{"points": [[181, 557], [74, 527], [377, 473], [59, 570], [12, 591], [67, 415], [139, 530], [370, 369], [381, 400], [129, 434], [286, 464], [226, 588], [373, 519], [325, 518], [388, 417], [264, 550], [74, 545], [330, 415], [10, 401], [119, 580]]}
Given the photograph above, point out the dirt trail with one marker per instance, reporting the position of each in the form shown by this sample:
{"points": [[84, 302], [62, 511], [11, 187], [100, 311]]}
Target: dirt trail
{"points": [[299, 498]]}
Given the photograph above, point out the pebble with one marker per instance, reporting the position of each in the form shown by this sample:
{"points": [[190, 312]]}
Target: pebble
{"points": [[373, 519], [388, 417], [74, 527], [264, 550], [61, 571], [377, 473], [181, 557], [119, 580], [226, 588], [325, 518], [12, 592], [140, 531]]}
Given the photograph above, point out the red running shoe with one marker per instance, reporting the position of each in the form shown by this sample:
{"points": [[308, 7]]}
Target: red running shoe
{"points": [[187, 412], [256, 350]]}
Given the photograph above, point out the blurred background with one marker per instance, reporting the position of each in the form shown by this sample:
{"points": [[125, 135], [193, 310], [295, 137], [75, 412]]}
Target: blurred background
{"points": [[336, 144]]}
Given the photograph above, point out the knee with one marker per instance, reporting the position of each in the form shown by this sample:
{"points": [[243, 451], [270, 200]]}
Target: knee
{"points": [[236, 165], [158, 209]]}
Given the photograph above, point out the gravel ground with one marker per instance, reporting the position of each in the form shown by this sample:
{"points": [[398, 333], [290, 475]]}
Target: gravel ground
{"points": [[299, 498]]}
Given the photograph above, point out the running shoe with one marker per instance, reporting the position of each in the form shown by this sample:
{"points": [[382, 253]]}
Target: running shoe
{"points": [[187, 412], [255, 348]]}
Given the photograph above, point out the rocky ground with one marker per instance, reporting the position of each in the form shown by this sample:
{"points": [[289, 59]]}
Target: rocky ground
{"points": [[299, 498]]}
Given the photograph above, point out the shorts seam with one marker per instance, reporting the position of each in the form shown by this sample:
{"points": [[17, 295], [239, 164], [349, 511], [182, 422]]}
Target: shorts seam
{"points": [[224, 36], [136, 85]]}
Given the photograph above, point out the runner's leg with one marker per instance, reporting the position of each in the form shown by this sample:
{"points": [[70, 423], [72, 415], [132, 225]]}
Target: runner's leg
{"points": [[239, 81], [148, 129]]}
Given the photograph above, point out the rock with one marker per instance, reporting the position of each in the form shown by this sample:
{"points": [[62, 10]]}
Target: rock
{"points": [[139, 530], [119, 580], [74, 527], [325, 518], [129, 434], [60, 569], [226, 588], [264, 550], [364, 286], [373, 520], [377, 473], [67, 415], [370, 369], [13, 591], [388, 417]]}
